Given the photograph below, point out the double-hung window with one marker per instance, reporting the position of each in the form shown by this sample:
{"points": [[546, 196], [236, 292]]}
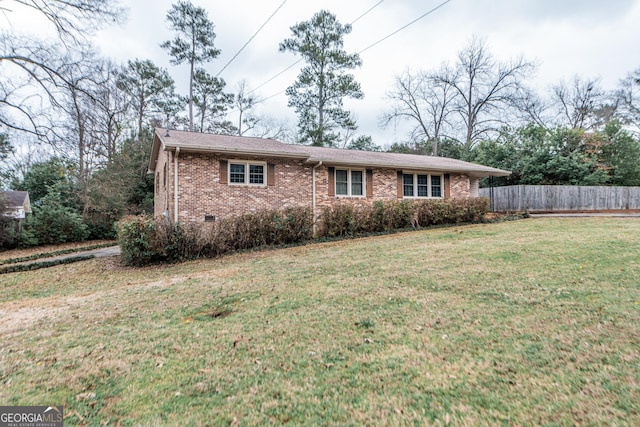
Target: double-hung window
{"points": [[421, 185], [349, 182], [247, 173]]}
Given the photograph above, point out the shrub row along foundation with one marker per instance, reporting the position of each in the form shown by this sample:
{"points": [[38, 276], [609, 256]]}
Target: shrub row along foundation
{"points": [[145, 240]]}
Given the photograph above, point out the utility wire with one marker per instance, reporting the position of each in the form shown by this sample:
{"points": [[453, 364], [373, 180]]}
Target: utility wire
{"points": [[277, 75], [363, 50], [299, 60], [365, 14], [251, 38], [402, 28]]}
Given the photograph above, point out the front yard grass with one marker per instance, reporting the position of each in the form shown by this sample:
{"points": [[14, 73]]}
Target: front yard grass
{"points": [[518, 323]]}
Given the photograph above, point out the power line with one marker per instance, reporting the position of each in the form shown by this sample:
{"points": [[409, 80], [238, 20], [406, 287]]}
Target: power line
{"points": [[365, 14], [402, 28], [251, 39], [277, 75], [363, 50], [299, 60]]}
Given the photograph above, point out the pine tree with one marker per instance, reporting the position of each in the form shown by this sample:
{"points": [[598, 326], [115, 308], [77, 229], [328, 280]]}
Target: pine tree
{"points": [[324, 82]]}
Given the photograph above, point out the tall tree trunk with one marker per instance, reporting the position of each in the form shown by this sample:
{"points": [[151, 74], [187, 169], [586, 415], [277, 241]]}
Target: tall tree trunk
{"points": [[191, 99], [140, 115], [321, 109]]}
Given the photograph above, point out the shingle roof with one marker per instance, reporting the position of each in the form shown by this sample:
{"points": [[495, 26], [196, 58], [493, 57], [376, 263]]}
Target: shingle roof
{"points": [[203, 142], [14, 198]]}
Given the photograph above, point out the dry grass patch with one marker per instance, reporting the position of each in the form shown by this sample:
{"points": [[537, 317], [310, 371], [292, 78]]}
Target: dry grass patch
{"points": [[527, 322]]}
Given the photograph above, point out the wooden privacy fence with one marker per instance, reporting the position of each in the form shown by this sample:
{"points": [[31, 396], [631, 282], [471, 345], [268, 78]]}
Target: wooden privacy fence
{"points": [[549, 198]]}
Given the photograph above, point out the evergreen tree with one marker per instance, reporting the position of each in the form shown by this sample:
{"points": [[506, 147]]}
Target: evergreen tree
{"points": [[324, 82], [211, 102], [193, 43], [148, 87]]}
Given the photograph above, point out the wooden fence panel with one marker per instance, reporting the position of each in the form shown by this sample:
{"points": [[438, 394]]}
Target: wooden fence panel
{"points": [[548, 198]]}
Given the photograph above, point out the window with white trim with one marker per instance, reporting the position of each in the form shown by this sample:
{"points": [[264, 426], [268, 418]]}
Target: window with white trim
{"points": [[247, 173], [349, 182], [421, 185]]}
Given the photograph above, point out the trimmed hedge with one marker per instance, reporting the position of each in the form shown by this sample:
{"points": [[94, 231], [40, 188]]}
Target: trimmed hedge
{"points": [[55, 253], [145, 240], [345, 220], [15, 268]]}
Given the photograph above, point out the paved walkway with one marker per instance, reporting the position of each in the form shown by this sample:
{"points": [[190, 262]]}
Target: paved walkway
{"points": [[102, 252]]}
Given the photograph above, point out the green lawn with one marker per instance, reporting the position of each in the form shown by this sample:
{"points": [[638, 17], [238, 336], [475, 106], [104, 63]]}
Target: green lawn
{"points": [[520, 323]]}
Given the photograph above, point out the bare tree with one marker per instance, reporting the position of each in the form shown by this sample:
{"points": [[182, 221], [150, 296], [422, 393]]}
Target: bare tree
{"points": [[32, 71], [77, 113], [578, 102], [112, 108], [73, 19], [486, 90], [265, 126], [628, 100], [424, 100], [31, 74], [464, 102], [244, 102]]}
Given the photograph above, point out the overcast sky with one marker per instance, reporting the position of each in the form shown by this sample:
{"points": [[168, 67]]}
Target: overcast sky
{"points": [[591, 38]]}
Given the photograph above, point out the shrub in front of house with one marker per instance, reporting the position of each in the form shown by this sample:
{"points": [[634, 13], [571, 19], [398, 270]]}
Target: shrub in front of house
{"points": [[345, 220], [392, 215], [137, 239], [145, 240]]}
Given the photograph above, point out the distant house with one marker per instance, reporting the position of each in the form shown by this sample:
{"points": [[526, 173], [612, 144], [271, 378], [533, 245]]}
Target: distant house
{"points": [[201, 177], [18, 204], [17, 208]]}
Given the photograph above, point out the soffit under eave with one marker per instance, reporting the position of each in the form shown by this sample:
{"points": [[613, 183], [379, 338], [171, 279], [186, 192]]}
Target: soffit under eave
{"points": [[366, 165]]}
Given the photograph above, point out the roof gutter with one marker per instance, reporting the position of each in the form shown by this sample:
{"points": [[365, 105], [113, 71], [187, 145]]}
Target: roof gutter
{"points": [[203, 149]]}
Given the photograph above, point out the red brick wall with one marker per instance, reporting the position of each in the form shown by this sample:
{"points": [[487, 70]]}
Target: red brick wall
{"points": [[202, 194], [460, 187]]}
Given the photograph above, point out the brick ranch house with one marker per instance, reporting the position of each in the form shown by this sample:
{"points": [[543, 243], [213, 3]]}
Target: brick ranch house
{"points": [[200, 177]]}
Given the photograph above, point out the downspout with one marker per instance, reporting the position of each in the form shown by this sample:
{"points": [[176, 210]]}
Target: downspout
{"points": [[165, 173], [175, 185], [315, 218]]}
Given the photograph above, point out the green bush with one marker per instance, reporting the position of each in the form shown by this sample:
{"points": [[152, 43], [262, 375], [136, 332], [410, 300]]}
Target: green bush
{"points": [[144, 240], [53, 222], [101, 225], [391, 215], [345, 220], [9, 236], [137, 237], [339, 221]]}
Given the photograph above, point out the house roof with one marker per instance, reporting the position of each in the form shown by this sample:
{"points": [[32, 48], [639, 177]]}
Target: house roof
{"points": [[17, 199], [261, 147]]}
